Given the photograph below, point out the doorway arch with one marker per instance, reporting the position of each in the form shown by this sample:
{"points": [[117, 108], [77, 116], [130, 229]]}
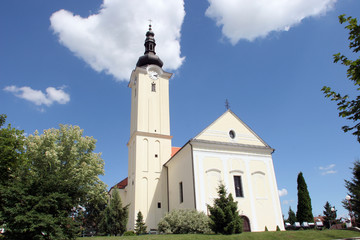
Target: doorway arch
{"points": [[246, 224]]}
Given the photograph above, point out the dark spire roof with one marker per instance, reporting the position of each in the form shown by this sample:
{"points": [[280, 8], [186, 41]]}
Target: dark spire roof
{"points": [[149, 56]]}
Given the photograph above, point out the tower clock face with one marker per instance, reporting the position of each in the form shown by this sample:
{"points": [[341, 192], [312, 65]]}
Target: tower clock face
{"points": [[153, 75]]}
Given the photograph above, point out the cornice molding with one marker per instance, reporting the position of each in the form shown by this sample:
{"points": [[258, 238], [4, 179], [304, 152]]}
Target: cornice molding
{"points": [[236, 147], [147, 134]]}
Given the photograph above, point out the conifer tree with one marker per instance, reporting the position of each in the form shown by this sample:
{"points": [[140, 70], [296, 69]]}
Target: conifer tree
{"points": [[115, 216], [329, 216], [304, 209], [224, 215], [292, 217], [140, 227], [353, 187]]}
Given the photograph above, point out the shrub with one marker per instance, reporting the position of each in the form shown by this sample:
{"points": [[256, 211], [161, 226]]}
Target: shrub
{"points": [[182, 221], [224, 215], [266, 229], [129, 233]]}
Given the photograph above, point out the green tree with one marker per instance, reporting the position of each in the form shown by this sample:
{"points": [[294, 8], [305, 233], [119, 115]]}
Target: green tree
{"points": [[59, 176], [115, 216], [329, 215], [349, 109], [11, 161], [93, 208], [224, 215], [292, 217], [11, 152], [140, 227], [304, 209], [353, 187]]}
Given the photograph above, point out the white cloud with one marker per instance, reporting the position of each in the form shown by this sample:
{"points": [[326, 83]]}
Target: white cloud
{"points": [[250, 19], [38, 97], [327, 169], [287, 202], [282, 192], [113, 39]]}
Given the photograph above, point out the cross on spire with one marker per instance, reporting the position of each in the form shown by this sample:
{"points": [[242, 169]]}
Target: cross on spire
{"points": [[227, 104]]}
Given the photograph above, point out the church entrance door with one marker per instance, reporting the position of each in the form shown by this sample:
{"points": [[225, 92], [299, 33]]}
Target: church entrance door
{"points": [[246, 224]]}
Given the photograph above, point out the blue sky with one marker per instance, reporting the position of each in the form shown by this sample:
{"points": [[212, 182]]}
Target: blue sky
{"points": [[268, 58]]}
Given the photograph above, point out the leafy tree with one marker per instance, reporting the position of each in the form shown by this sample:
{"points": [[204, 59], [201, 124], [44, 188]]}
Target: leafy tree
{"points": [[349, 109], [11, 160], [115, 216], [353, 187], [329, 215], [93, 208], [183, 221], [224, 215], [292, 217], [11, 151], [140, 227], [59, 176], [304, 209]]}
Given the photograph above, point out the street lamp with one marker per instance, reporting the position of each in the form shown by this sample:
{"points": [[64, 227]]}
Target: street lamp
{"points": [[331, 216], [348, 198]]}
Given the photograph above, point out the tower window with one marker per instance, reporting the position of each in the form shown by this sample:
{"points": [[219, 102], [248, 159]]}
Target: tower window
{"points": [[159, 204], [156, 155], [181, 192], [153, 87], [238, 186]]}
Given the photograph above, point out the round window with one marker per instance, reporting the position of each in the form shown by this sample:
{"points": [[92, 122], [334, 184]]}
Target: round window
{"points": [[232, 134]]}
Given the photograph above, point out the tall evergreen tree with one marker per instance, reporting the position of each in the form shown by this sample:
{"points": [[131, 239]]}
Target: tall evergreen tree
{"points": [[353, 187], [115, 216], [292, 217], [140, 227], [329, 216], [304, 209], [224, 215]]}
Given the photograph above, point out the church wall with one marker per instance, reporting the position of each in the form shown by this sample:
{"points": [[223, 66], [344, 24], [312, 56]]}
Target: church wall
{"points": [[259, 200], [180, 171], [149, 179]]}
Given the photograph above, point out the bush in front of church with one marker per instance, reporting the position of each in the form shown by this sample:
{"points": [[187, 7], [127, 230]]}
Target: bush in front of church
{"points": [[224, 215], [182, 221]]}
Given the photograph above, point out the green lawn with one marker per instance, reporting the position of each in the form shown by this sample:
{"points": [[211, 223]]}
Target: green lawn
{"points": [[287, 235]]}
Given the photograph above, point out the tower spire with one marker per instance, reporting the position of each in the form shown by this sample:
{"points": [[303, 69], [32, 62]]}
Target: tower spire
{"points": [[149, 56]]}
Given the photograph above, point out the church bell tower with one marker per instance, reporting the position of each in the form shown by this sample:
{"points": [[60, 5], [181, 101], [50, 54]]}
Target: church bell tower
{"points": [[149, 146]]}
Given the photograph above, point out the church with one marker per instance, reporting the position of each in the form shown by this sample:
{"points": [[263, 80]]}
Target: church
{"points": [[162, 178]]}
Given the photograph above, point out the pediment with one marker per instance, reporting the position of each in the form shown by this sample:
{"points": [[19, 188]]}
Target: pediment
{"points": [[229, 128]]}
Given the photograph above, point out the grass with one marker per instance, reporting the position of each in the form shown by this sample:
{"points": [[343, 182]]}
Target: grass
{"points": [[286, 235]]}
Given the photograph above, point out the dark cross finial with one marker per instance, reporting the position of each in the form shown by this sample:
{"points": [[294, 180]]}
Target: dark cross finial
{"points": [[227, 104], [150, 24]]}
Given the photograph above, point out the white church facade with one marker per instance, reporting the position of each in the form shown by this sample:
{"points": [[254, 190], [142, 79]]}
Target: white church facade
{"points": [[162, 178]]}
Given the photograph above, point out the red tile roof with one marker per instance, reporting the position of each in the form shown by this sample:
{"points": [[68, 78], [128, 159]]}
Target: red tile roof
{"points": [[122, 184], [174, 150]]}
